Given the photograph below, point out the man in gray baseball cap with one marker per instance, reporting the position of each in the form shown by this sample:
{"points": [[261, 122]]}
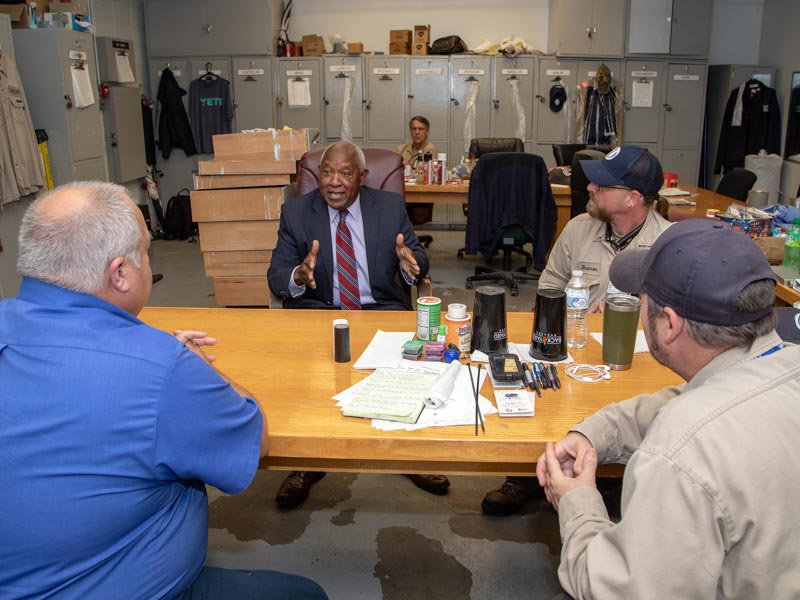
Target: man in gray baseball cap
{"points": [[709, 497]]}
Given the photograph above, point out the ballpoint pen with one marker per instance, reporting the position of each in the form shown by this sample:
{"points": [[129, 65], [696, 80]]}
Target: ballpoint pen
{"points": [[549, 376], [475, 391], [555, 376], [477, 396], [540, 374], [531, 380]]}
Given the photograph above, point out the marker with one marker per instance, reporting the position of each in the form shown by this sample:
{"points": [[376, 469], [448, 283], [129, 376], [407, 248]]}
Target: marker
{"points": [[537, 368], [555, 376], [530, 379], [546, 372]]}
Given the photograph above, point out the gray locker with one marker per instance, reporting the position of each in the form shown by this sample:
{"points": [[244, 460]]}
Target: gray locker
{"points": [[642, 123], [683, 161], [691, 27], [551, 127], [46, 59], [297, 71], [122, 115], [586, 27], [677, 27], [253, 93], [429, 94], [683, 106], [466, 74], [386, 100], [194, 28], [508, 72], [343, 74]]}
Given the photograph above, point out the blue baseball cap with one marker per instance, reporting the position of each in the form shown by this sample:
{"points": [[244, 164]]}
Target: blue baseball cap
{"points": [[632, 166], [698, 267]]}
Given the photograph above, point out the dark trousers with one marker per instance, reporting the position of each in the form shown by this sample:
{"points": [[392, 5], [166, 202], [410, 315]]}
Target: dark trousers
{"points": [[213, 583]]}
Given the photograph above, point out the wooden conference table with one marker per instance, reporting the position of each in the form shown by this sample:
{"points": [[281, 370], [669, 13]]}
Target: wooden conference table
{"points": [[285, 358]]}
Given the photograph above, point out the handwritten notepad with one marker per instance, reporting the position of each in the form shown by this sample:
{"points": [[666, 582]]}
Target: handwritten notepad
{"points": [[391, 394]]}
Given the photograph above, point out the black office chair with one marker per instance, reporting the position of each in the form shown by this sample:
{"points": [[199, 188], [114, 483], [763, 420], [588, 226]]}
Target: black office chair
{"points": [[563, 153], [480, 146], [578, 181], [736, 183], [510, 204]]}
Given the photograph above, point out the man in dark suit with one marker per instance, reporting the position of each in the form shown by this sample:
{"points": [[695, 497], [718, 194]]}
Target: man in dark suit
{"points": [[345, 246]]}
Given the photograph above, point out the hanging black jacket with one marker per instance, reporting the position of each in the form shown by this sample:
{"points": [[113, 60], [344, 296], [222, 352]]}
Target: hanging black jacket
{"points": [[510, 188], [174, 130], [793, 126], [760, 128]]}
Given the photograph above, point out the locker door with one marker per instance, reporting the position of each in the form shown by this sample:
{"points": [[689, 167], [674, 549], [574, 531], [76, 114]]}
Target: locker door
{"points": [[85, 133], [428, 93], [644, 81], [124, 127], [180, 70], [508, 74], [253, 93], [683, 116], [343, 73], [386, 99], [468, 73], [551, 127], [684, 162], [293, 110]]}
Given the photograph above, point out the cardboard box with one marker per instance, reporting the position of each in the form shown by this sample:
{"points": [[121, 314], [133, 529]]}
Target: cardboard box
{"points": [[313, 45], [400, 36], [219, 182], [214, 260], [419, 48], [237, 269], [250, 166], [422, 33], [355, 47], [24, 16], [399, 48], [254, 204], [286, 144], [80, 8], [238, 235], [242, 291]]}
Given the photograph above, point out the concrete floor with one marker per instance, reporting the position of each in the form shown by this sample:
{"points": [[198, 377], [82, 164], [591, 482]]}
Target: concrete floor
{"points": [[364, 536]]}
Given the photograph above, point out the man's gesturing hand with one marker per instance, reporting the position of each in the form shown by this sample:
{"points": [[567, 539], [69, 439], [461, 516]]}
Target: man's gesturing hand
{"points": [[304, 274], [406, 257]]}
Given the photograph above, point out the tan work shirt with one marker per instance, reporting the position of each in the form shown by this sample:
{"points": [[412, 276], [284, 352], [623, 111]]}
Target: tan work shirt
{"points": [[408, 154], [709, 496], [582, 246]]}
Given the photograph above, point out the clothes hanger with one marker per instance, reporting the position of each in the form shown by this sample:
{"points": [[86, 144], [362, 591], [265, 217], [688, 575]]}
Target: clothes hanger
{"points": [[209, 74]]}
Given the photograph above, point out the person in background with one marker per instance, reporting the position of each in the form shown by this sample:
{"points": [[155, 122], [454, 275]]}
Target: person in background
{"points": [[420, 128], [709, 495], [346, 246], [111, 429], [623, 190]]}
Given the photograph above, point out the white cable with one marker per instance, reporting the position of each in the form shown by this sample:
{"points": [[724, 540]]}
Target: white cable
{"points": [[589, 373]]}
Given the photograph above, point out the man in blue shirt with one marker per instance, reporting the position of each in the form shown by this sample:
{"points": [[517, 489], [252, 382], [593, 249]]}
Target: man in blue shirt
{"points": [[110, 429]]}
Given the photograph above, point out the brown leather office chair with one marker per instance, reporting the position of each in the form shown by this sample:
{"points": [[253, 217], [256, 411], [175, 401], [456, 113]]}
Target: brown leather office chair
{"points": [[385, 173]]}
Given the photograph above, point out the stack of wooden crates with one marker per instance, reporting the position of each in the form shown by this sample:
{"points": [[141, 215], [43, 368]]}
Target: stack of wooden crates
{"points": [[237, 205]]}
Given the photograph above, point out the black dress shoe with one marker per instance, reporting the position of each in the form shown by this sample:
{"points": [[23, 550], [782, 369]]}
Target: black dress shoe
{"points": [[294, 489], [433, 484], [511, 497]]}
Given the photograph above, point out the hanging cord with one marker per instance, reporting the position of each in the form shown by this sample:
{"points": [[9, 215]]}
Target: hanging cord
{"points": [[519, 111], [470, 114], [589, 373], [347, 132]]}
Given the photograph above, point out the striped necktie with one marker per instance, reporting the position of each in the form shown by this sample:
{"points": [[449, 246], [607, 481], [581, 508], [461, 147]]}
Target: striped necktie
{"points": [[349, 296]]}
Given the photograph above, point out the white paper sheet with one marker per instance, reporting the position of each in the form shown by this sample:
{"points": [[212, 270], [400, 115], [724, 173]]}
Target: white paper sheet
{"points": [[299, 92], [640, 346], [82, 92], [384, 351], [642, 94], [124, 68]]}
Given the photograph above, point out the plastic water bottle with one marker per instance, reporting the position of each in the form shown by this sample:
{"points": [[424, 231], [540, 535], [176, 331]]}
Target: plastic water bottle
{"points": [[577, 307], [791, 247]]}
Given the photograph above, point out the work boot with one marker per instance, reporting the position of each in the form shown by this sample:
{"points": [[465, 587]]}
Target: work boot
{"points": [[511, 497], [294, 489]]}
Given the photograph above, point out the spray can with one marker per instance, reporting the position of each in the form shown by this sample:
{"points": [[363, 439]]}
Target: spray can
{"points": [[459, 327]]}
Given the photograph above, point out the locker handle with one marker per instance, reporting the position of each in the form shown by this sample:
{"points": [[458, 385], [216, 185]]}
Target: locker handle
{"points": [[540, 97], [454, 101], [667, 107], [496, 104], [114, 143], [68, 98], [411, 96], [626, 105], [369, 104]]}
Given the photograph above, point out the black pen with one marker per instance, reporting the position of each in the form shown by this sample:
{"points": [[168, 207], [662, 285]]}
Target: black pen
{"points": [[472, 381], [555, 376], [549, 375], [540, 371], [532, 380], [477, 396]]}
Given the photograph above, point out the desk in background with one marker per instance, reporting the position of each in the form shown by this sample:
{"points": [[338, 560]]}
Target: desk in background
{"points": [[284, 357]]}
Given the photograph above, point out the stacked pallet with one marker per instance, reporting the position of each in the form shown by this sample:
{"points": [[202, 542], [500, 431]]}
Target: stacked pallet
{"points": [[237, 204]]}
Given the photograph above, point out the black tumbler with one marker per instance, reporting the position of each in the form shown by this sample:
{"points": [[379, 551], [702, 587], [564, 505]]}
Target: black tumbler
{"points": [[489, 320], [549, 339]]}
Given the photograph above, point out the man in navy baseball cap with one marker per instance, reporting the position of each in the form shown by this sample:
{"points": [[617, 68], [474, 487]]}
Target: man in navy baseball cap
{"points": [[710, 488], [632, 167]]}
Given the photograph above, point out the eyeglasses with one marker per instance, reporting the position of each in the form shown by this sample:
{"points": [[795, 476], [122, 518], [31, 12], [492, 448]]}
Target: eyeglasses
{"points": [[616, 187]]}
